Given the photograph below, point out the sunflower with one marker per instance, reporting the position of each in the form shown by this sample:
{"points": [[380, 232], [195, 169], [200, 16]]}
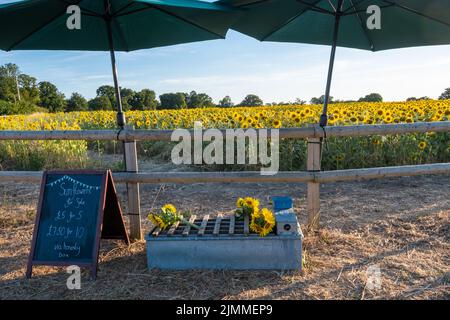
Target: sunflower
{"points": [[158, 221], [168, 216], [246, 206], [422, 145], [169, 207], [277, 123], [263, 222]]}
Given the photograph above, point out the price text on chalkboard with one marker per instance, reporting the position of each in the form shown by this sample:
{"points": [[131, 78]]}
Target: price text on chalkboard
{"points": [[73, 208]]}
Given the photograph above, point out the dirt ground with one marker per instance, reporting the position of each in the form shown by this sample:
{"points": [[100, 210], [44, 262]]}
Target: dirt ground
{"points": [[400, 225]]}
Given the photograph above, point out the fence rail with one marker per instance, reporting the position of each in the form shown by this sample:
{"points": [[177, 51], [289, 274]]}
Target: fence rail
{"points": [[251, 176], [165, 135], [313, 176]]}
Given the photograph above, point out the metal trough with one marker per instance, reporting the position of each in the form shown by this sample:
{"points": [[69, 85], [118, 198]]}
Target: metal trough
{"points": [[224, 243]]}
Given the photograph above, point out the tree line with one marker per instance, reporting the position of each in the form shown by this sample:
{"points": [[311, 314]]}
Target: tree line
{"points": [[21, 93]]}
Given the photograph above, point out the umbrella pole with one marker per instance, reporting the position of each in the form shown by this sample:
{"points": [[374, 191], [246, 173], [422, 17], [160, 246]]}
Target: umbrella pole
{"points": [[120, 115], [324, 117]]}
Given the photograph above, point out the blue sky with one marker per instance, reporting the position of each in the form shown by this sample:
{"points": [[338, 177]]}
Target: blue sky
{"points": [[240, 65]]}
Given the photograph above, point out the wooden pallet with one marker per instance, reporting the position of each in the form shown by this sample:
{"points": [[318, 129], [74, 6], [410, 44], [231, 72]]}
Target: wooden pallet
{"points": [[217, 226]]}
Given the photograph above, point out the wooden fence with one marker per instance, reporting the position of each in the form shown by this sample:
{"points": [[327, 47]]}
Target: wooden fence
{"points": [[313, 176]]}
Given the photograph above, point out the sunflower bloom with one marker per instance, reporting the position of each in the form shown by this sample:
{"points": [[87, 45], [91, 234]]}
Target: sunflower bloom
{"points": [[169, 207], [422, 145], [263, 222]]}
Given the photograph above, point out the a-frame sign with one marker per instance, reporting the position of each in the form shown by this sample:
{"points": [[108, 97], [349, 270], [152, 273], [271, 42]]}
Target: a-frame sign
{"points": [[75, 210]]}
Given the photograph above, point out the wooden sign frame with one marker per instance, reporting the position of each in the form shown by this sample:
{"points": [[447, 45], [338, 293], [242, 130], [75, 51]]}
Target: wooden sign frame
{"points": [[110, 223]]}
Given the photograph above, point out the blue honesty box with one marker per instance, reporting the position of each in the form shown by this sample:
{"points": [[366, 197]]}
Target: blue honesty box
{"points": [[282, 203]]}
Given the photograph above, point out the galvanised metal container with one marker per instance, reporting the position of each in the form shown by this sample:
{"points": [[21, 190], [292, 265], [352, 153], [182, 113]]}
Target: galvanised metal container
{"points": [[223, 243]]}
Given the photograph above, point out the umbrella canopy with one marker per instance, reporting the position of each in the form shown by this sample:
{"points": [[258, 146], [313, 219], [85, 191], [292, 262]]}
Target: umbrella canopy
{"points": [[403, 23], [111, 25]]}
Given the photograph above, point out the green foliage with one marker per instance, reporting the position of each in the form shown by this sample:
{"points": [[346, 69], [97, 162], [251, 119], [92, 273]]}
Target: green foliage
{"points": [[144, 100], [373, 97], [76, 103], [418, 99], [226, 102], [29, 90], [445, 95], [9, 74], [128, 98], [321, 100], [100, 103], [252, 100], [173, 100], [108, 92], [50, 98], [198, 100], [6, 107], [21, 107], [38, 155]]}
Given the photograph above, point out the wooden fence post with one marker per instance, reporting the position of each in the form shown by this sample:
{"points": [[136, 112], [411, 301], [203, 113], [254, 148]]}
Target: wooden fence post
{"points": [[134, 205], [313, 188]]}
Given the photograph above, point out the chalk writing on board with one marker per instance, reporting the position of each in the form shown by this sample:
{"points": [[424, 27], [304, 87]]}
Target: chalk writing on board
{"points": [[69, 217], [76, 209]]}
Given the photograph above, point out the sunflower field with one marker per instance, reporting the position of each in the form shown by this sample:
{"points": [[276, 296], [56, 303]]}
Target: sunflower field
{"points": [[339, 153]]}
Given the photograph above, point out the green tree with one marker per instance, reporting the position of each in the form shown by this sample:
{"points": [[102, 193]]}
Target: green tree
{"points": [[198, 100], [50, 98], [6, 108], [128, 98], [109, 92], [321, 99], [299, 101], [29, 90], [226, 102], [145, 100], [251, 100], [373, 97], [100, 103], [445, 95], [9, 82], [76, 103], [173, 100]]}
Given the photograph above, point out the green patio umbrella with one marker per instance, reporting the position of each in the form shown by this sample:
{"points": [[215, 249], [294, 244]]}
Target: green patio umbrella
{"points": [[403, 23], [110, 25]]}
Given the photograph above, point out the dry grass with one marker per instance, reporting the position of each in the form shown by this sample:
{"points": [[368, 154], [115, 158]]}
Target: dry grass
{"points": [[401, 225]]}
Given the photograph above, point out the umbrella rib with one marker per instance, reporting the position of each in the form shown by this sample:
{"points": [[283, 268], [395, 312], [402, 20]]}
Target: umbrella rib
{"points": [[38, 29], [117, 13], [354, 4], [372, 46], [282, 25], [314, 5], [130, 12], [416, 12], [347, 13], [92, 13], [183, 19]]}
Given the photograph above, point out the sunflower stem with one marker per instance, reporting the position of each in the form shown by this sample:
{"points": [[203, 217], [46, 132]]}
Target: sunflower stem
{"points": [[193, 225]]}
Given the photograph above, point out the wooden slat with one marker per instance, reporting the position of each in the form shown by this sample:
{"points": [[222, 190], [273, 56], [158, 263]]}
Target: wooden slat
{"points": [[166, 135], [313, 188], [156, 232], [217, 225], [134, 204], [232, 220], [246, 225], [188, 227], [173, 228], [201, 231], [251, 176]]}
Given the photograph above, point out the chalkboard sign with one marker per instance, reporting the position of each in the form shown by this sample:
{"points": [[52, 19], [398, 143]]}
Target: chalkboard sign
{"points": [[75, 209]]}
